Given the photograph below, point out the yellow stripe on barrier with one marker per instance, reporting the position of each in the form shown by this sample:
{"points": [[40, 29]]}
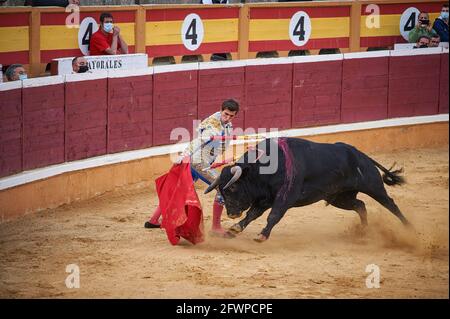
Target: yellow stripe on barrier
{"points": [[389, 25], [321, 28], [14, 39], [58, 37], [169, 32]]}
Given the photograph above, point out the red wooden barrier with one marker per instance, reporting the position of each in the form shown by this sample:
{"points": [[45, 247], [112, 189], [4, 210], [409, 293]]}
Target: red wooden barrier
{"points": [[10, 128], [86, 108], [130, 106], [443, 90], [174, 100], [317, 90], [48, 122], [43, 122], [218, 82], [365, 80], [414, 82], [268, 91]]}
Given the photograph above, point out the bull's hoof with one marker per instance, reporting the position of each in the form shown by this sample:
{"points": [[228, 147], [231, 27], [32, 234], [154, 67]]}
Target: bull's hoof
{"points": [[229, 235], [236, 229], [222, 234], [260, 238]]}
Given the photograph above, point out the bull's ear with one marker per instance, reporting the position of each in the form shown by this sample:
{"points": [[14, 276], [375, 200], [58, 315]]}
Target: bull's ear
{"points": [[213, 185]]}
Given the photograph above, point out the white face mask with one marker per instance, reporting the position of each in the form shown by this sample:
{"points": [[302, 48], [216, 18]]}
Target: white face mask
{"points": [[108, 26], [444, 15]]}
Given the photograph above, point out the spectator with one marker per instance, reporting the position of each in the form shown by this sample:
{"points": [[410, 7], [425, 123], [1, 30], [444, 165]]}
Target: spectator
{"points": [[440, 25], [435, 40], [422, 42], [51, 3], [16, 72], [80, 65], [423, 27], [107, 40]]}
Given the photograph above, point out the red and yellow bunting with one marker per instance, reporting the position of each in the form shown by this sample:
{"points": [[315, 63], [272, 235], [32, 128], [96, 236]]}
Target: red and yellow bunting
{"points": [[388, 32], [269, 28], [14, 38], [59, 40], [164, 36]]}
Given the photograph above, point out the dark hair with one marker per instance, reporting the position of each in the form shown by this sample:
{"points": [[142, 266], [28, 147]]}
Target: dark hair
{"points": [[435, 36], [74, 60], [445, 5], [423, 37], [230, 105], [11, 69], [105, 15]]}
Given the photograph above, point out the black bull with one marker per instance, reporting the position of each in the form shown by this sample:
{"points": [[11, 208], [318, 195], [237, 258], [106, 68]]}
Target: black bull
{"points": [[306, 172]]}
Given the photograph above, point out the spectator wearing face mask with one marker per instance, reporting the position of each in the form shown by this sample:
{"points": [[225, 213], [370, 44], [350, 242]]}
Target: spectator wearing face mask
{"points": [[107, 40], [434, 42], [80, 65], [423, 27], [423, 42], [440, 25], [16, 72]]}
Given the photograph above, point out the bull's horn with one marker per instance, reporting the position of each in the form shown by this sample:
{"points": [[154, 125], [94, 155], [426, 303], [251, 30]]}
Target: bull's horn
{"points": [[213, 185], [237, 172]]}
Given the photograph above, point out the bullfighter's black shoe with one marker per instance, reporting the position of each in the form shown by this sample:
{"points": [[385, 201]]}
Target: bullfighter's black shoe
{"points": [[150, 225]]}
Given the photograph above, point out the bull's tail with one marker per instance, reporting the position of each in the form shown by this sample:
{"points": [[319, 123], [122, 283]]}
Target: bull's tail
{"points": [[391, 177]]}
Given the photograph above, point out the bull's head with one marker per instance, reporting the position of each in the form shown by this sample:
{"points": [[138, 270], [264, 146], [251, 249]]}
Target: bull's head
{"points": [[232, 186]]}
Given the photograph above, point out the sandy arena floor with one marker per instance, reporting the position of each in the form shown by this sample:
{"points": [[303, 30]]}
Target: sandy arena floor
{"points": [[314, 252]]}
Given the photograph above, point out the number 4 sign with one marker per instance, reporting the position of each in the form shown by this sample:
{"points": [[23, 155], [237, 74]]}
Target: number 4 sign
{"points": [[300, 28], [408, 21], [87, 28], [192, 32]]}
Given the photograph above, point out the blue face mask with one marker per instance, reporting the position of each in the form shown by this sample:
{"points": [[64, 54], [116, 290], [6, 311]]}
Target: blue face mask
{"points": [[108, 26], [444, 15], [23, 77]]}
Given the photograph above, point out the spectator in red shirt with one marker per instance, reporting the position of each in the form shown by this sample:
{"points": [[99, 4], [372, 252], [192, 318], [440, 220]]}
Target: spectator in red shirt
{"points": [[107, 40]]}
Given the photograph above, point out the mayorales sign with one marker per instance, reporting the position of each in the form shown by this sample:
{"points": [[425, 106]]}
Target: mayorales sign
{"points": [[102, 62], [105, 64]]}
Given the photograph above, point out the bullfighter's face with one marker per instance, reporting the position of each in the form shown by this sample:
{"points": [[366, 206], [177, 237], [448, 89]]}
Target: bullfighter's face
{"points": [[226, 116]]}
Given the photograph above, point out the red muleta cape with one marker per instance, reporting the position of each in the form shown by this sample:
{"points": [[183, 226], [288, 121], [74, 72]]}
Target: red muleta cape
{"points": [[182, 214]]}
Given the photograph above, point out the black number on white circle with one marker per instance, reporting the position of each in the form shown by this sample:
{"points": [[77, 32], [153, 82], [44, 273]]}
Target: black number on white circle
{"points": [[410, 23], [87, 35], [87, 28], [408, 20], [299, 29], [191, 33]]}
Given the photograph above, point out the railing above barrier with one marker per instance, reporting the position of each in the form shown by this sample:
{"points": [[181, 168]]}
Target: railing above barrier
{"points": [[177, 33]]}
